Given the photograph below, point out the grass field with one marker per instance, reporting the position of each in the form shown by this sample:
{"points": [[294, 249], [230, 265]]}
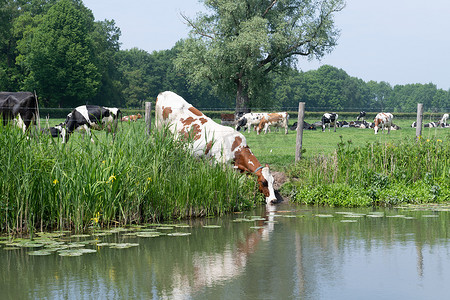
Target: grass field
{"points": [[278, 149]]}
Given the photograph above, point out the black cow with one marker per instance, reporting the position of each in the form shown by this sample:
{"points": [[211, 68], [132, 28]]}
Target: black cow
{"points": [[330, 119], [361, 116], [20, 105], [306, 126], [86, 117]]}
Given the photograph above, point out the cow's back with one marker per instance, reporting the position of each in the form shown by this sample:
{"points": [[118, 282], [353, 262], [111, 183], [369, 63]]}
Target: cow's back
{"points": [[185, 121]]}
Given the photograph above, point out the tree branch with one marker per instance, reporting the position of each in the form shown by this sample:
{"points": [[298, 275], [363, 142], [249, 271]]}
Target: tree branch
{"points": [[195, 27], [269, 8]]}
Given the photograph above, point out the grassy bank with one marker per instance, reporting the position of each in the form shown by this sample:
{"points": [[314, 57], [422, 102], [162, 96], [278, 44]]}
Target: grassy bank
{"points": [[47, 185], [383, 174]]}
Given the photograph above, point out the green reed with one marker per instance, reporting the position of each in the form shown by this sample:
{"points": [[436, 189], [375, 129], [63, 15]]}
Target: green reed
{"points": [[137, 178], [407, 171]]}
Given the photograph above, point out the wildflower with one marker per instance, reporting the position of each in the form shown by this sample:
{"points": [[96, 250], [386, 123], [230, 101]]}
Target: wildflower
{"points": [[440, 141], [96, 218], [428, 140], [103, 161], [149, 179], [111, 179], [55, 181]]}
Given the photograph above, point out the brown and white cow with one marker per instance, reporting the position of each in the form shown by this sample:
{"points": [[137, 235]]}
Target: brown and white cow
{"points": [[133, 118], [280, 119], [383, 120], [210, 139]]}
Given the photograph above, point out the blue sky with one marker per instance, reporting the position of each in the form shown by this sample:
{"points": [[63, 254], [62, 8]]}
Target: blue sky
{"points": [[397, 41]]}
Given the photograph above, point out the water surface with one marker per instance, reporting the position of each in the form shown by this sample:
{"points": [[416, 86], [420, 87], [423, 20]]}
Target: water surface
{"points": [[291, 252]]}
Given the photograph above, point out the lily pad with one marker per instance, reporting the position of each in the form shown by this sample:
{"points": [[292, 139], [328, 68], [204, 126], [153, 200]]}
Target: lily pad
{"points": [[212, 226], [80, 235], [40, 252], [324, 216], [123, 245], [348, 221], [179, 234], [74, 252]]}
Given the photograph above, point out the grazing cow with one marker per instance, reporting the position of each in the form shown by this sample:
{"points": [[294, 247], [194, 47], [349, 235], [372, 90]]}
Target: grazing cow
{"points": [[249, 119], [20, 105], [383, 120], [210, 139], [133, 118], [85, 117], [330, 119], [361, 116], [280, 119]]}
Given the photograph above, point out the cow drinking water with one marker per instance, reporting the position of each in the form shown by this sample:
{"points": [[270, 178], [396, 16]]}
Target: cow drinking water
{"points": [[210, 139]]}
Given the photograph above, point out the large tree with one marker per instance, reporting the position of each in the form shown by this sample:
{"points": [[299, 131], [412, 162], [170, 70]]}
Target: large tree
{"points": [[61, 59], [241, 42]]}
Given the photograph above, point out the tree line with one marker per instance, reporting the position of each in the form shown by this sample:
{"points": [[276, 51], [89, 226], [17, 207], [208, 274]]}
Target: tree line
{"points": [[56, 48]]}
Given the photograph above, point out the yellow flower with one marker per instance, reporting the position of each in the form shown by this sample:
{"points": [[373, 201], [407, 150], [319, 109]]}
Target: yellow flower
{"points": [[55, 181], [149, 179], [103, 161], [428, 140], [96, 218], [440, 141], [111, 179]]}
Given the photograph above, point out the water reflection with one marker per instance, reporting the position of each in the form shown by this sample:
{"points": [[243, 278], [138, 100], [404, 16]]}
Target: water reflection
{"points": [[285, 252]]}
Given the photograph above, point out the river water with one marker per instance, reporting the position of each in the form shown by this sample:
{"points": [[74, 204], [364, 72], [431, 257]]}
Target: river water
{"points": [[285, 252]]}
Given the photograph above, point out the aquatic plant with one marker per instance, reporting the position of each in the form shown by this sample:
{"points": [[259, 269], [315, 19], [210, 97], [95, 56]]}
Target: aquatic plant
{"points": [[137, 178]]}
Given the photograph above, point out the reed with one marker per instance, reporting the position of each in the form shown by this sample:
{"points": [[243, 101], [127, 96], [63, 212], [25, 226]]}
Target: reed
{"points": [[135, 179]]}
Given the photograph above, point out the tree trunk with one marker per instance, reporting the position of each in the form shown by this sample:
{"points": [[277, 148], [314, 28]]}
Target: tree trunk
{"points": [[242, 100]]}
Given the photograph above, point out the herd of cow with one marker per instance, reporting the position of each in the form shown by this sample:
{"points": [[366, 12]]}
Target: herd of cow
{"points": [[220, 142]]}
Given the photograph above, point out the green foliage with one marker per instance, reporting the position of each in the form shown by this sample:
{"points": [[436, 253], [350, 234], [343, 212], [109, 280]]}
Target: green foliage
{"points": [[375, 174], [46, 184], [61, 40], [240, 42]]}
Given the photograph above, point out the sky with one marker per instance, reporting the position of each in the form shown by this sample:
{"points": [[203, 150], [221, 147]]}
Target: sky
{"points": [[397, 41]]}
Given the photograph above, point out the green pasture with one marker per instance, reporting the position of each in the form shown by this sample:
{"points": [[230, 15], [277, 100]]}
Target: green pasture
{"points": [[278, 149]]}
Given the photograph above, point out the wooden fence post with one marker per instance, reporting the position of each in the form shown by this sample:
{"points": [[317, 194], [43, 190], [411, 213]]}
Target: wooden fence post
{"points": [[299, 143], [148, 116], [419, 120]]}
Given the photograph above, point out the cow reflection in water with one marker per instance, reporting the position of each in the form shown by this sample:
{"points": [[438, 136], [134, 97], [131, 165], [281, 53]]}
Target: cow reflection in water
{"points": [[214, 268]]}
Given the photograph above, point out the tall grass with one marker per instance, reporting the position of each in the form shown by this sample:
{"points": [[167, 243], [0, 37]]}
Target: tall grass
{"points": [[407, 171], [48, 185]]}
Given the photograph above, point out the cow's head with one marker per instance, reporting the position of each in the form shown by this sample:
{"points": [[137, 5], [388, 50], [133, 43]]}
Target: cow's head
{"points": [[59, 131], [265, 181]]}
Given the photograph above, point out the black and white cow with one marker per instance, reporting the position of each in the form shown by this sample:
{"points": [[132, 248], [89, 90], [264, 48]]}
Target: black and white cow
{"points": [[361, 116], [21, 106], [85, 117], [330, 119]]}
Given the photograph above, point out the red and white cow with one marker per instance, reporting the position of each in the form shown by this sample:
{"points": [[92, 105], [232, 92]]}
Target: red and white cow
{"points": [[383, 120], [210, 139], [280, 119], [133, 118]]}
